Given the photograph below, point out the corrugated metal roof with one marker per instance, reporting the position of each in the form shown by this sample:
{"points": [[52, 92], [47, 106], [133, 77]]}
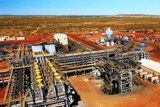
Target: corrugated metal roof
{"points": [[151, 64]]}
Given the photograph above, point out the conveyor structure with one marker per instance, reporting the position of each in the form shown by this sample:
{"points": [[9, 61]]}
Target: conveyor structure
{"points": [[41, 80]]}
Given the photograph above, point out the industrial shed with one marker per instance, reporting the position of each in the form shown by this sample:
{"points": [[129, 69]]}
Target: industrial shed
{"points": [[151, 64], [62, 38]]}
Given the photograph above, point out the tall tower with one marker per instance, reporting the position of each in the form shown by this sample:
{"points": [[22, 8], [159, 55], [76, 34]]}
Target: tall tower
{"points": [[108, 33]]}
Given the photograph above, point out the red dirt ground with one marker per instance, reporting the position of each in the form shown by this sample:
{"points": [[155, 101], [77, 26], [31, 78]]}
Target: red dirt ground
{"points": [[3, 66], [155, 52], [2, 94], [78, 38], [154, 49], [92, 96], [88, 41]]}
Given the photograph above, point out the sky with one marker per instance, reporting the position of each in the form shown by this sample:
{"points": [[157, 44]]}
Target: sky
{"points": [[79, 7]]}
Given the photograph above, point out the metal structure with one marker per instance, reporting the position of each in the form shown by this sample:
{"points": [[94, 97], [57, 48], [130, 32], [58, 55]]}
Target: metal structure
{"points": [[40, 79], [117, 75], [127, 46], [81, 62], [117, 69]]}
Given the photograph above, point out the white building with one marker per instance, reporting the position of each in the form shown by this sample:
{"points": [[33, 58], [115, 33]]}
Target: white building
{"points": [[151, 64], [20, 38], [11, 38], [50, 48], [3, 38], [62, 38], [37, 48]]}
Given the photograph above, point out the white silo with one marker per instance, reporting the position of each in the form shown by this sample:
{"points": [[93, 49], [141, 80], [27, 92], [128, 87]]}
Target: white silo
{"points": [[102, 40], [107, 44], [109, 33], [125, 38], [112, 43]]}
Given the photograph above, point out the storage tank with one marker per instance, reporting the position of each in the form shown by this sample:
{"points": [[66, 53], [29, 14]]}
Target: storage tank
{"points": [[125, 38], [107, 44], [112, 43], [109, 33], [102, 40]]}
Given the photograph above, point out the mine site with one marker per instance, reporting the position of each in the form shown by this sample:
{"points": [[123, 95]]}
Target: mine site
{"points": [[79, 61]]}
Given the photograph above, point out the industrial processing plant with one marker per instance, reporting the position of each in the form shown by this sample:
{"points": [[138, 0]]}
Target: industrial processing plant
{"points": [[48, 71]]}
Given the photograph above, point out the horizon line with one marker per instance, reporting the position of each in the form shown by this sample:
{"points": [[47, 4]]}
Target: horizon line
{"points": [[79, 14]]}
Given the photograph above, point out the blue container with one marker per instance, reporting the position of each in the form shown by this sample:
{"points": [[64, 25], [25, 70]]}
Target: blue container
{"points": [[145, 38], [138, 49]]}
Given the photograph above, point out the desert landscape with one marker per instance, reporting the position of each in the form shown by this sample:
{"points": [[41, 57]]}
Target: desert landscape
{"points": [[83, 33]]}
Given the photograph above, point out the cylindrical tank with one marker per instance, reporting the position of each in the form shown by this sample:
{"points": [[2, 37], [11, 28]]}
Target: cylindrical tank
{"points": [[107, 44], [102, 40], [125, 38], [112, 43]]}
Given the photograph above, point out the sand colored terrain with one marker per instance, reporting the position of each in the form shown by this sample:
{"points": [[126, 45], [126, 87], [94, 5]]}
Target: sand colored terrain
{"points": [[92, 96]]}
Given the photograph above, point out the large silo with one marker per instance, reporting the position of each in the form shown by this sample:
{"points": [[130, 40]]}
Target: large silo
{"points": [[108, 33]]}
